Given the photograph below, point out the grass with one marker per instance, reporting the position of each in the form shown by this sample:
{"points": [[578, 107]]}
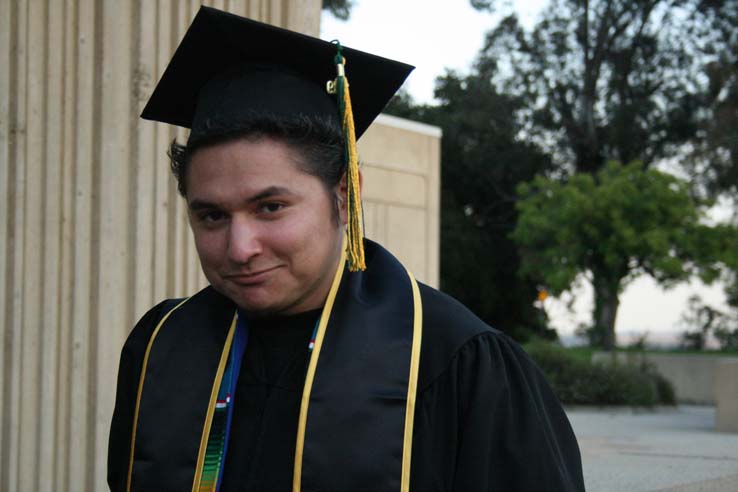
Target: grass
{"points": [[584, 353], [669, 351], [691, 352]]}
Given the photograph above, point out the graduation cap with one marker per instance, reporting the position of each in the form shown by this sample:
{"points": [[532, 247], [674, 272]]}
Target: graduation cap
{"points": [[228, 70]]}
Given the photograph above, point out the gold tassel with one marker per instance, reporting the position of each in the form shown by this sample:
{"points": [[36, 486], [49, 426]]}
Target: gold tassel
{"points": [[355, 246]]}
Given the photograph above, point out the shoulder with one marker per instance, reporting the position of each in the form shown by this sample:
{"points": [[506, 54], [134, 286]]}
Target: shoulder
{"points": [[452, 334], [441, 307], [141, 333], [483, 404], [207, 300]]}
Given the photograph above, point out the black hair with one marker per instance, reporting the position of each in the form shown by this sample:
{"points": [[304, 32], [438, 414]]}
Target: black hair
{"points": [[317, 140]]}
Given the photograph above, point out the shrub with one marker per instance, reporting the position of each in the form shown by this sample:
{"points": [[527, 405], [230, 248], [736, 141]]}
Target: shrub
{"points": [[664, 390], [580, 382]]}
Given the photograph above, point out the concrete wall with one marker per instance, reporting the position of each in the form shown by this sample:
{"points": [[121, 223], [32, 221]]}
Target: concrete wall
{"points": [[92, 231], [693, 376], [400, 162], [726, 395]]}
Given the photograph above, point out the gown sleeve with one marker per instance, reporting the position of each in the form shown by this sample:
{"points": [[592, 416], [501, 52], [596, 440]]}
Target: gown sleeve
{"points": [[490, 422], [129, 372]]}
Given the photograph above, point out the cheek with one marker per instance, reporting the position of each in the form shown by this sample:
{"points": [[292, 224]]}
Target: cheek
{"points": [[305, 239], [291, 238], [210, 247]]}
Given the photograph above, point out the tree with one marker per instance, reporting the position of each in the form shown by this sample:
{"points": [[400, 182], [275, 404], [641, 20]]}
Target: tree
{"points": [[727, 337], [623, 222], [339, 8], [618, 79], [481, 164], [713, 159], [704, 321]]}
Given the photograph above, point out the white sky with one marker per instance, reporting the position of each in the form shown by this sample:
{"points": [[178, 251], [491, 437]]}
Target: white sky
{"points": [[430, 34], [437, 34]]}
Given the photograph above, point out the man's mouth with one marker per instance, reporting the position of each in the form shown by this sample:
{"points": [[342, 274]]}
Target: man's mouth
{"points": [[251, 278]]}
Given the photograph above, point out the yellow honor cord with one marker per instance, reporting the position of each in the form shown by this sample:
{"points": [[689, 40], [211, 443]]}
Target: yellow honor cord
{"points": [[355, 249]]}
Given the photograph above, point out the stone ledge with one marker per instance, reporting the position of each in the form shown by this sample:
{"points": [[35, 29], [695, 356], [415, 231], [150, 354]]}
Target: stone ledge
{"points": [[726, 396]]}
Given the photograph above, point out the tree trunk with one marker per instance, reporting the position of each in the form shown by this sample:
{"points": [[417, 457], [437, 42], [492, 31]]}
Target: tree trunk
{"points": [[606, 302]]}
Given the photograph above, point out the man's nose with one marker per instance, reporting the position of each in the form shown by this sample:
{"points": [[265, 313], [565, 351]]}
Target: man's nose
{"points": [[243, 240]]}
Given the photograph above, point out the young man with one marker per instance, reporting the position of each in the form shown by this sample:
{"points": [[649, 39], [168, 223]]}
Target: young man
{"points": [[297, 368]]}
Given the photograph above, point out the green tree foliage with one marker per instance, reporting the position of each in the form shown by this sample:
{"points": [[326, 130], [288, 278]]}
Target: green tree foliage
{"points": [[713, 159], [702, 321], [339, 8], [488, 5], [481, 164], [624, 222], [626, 80], [623, 79], [727, 336], [705, 321]]}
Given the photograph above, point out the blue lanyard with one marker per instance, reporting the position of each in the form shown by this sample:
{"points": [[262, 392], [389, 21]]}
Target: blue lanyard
{"points": [[227, 390]]}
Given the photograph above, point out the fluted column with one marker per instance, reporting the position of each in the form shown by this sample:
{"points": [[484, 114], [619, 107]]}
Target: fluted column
{"points": [[92, 231]]}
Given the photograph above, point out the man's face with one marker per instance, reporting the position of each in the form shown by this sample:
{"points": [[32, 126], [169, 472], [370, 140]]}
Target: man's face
{"points": [[264, 229]]}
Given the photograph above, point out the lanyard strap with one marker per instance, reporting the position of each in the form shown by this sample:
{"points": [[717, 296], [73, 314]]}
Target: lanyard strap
{"points": [[237, 350], [217, 447]]}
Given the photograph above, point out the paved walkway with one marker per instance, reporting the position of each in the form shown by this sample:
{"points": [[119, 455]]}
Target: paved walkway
{"points": [[664, 450]]}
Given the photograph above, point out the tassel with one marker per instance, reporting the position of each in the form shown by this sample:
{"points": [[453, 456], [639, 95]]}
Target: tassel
{"points": [[355, 246]]}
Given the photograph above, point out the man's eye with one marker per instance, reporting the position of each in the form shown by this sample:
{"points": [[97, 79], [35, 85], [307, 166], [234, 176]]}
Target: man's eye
{"points": [[270, 207], [211, 216]]}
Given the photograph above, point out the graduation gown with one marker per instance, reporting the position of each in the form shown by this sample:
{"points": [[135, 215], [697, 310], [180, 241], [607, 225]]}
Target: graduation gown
{"points": [[485, 418]]}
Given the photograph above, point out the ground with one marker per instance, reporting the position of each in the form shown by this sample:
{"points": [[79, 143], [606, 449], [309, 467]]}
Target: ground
{"points": [[664, 450]]}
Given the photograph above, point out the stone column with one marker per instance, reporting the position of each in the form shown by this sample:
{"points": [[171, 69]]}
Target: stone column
{"points": [[92, 232]]}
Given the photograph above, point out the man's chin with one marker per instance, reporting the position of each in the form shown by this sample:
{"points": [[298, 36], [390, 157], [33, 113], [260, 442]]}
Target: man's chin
{"points": [[257, 307], [254, 308], [259, 301]]}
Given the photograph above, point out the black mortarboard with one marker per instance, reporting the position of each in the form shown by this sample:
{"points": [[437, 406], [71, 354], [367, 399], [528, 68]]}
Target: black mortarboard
{"points": [[228, 68]]}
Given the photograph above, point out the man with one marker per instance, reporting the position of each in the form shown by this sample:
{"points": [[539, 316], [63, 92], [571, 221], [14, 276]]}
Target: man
{"points": [[313, 361]]}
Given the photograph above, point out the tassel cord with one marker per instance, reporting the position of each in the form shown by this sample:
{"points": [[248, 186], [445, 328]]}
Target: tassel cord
{"points": [[354, 208]]}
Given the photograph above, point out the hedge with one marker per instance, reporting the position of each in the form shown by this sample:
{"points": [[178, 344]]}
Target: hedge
{"points": [[581, 382]]}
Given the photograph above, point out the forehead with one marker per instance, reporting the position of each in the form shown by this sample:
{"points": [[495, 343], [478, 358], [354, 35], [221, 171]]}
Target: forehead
{"points": [[252, 146], [247, 164]]}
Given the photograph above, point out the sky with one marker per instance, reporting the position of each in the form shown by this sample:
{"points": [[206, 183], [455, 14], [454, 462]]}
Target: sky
{"points": [[432, 35], [435, 35]]}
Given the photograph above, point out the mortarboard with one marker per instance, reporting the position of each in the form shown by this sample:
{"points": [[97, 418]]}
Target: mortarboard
{"points": [[227, 63], [228, 69]]}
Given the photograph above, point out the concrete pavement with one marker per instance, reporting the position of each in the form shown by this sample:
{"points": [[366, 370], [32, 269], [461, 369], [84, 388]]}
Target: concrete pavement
{"points": [[662, 450]]}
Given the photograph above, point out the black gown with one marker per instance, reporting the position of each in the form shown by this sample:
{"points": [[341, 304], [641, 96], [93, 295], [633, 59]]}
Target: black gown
{"points": [[485, 418]]}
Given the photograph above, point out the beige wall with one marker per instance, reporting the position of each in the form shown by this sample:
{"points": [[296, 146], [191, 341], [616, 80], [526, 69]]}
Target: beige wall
{"points": [[401, 167], [92, 231], [693, 376], [726, 396]]}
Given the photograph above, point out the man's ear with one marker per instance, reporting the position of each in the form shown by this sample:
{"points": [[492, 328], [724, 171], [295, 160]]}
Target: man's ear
{"points": [[342, 197]]}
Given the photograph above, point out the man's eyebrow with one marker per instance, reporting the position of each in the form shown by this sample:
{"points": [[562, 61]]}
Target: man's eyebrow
{"points": [[201, 205], [270, 192], [265, 193]]}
